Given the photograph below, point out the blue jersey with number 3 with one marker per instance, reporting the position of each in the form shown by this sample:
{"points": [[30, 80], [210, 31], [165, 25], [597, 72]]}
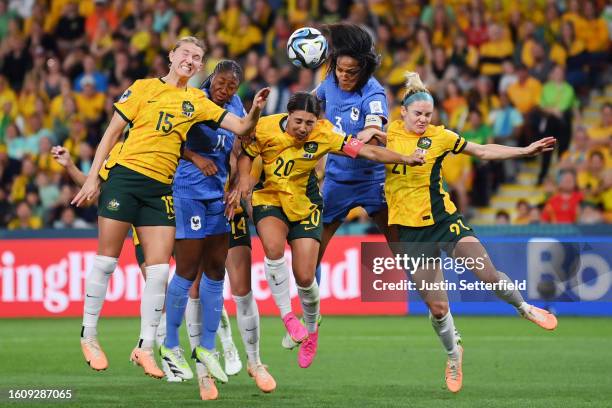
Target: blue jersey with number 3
{"points": [[347, 111], [215, 145]]}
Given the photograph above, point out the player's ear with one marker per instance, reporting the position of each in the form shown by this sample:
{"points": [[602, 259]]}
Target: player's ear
{"points": [[403, 112]]}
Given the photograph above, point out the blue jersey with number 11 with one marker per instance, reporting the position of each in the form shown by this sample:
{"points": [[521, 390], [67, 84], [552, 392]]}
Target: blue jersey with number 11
{"points": [[347, 111], [215, 145]]}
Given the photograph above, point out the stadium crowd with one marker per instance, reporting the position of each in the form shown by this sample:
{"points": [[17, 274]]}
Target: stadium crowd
{"points": [[500, 70]]}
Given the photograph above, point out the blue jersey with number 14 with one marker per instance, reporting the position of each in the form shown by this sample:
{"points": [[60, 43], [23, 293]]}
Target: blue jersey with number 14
{"points": [[215, 145], [347, 111]]}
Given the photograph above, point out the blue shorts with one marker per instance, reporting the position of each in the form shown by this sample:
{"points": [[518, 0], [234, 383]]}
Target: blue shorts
{"points": [[197, 219], [340, 197]]}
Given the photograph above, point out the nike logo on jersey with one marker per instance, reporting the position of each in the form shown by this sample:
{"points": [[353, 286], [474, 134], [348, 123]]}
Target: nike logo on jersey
{"points": [[153, 101], [158, 310], [239, 236], [310, 228]]}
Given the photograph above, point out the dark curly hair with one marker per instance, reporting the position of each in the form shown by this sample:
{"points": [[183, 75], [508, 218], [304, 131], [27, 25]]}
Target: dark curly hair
{"points": [[347, 39]]}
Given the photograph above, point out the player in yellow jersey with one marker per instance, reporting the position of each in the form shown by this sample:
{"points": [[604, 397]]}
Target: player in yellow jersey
{"points": [[287, 205], [424, 213], [159, 112], [62, 156]]}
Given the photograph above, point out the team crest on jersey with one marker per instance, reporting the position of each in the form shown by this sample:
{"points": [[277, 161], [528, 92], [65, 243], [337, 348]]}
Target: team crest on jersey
{"points": [[196, 223], [113, 205], [188, 109], [424, 143], [311, 147], [125, 96], [354, 113]]}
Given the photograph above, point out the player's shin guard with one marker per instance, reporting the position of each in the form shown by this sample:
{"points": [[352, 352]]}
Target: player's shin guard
{"points": [[95, 292], [211, 299], [247, 315], [277, 275], [445, 329], [512, 296], [193, 319], [310, 305], [176, 301], [152, 303]]}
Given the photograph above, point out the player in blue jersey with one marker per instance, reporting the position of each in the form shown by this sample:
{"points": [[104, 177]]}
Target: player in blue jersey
{"points": [[202, 244], [353, 100]]}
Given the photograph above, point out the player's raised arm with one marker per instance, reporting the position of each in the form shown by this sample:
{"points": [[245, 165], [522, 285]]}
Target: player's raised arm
{"points": [[384, 155], [244, 126], [501, 152], [61, 155], [111, 137]]}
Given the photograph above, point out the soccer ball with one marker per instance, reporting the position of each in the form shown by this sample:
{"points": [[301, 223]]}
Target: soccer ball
{"points": [[307, 47]]}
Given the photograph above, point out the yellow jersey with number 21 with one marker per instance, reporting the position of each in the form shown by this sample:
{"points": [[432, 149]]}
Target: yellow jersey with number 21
{"points": [[415, 195]]}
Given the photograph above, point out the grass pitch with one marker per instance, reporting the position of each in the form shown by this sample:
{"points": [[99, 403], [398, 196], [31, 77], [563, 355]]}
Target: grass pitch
{"points": [[362, 361]]}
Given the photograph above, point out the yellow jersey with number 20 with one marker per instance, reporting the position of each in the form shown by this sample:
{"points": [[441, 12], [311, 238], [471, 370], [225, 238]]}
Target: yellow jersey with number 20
{"points": [[159, 115], [289, 179]]}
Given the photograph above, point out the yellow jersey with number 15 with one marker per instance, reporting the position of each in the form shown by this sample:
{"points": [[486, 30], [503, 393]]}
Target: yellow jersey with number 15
{"points": [[289, 179], [415, 195], [159, 115]]}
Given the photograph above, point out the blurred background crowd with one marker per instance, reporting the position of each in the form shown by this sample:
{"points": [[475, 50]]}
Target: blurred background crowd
{"points": [[501, 71]]}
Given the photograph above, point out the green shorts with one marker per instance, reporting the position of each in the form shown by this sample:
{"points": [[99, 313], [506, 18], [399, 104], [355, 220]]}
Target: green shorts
{"points": [[240, 234], [135, 198], [429, 240], [309, 227]]}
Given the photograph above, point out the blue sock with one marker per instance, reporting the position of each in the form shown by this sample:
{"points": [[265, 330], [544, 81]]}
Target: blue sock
{"points": [[318, 274], [211, 299], [176, 302]]}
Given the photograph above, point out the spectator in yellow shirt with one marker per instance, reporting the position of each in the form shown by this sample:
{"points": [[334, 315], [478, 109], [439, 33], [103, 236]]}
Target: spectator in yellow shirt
{"points": [[90, 103], [24, 218], [601, 133], [8, 100], [569, 52], [590, 179], [525, 93], [25, 177], [574, 16], [596, 35], [493, 52], [247, 36]]}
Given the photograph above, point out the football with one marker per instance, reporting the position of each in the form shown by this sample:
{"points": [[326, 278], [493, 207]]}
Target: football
{"points": [[307, 48]]}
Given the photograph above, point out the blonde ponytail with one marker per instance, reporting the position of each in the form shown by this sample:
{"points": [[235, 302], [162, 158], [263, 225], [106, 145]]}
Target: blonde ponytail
{"points": [[415, 89]]}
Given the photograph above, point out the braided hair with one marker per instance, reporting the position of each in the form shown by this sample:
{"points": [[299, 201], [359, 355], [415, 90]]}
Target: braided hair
{"points": [[224, 66]]}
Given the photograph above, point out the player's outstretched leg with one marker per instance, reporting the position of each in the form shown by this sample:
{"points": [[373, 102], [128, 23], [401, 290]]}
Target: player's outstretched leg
{"points": [[444, 327], [247, 316], [287, 341], [151, 307], [174, 364], [95, 292], [471, 247], [277, 275], [310, 305], [541, 317], [233, 365], [211, 299]]}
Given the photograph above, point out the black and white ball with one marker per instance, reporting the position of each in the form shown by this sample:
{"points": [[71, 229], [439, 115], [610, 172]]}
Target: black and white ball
{"points": [[307, 48]]}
